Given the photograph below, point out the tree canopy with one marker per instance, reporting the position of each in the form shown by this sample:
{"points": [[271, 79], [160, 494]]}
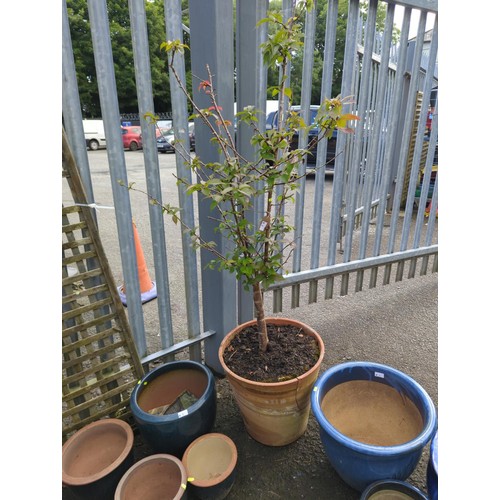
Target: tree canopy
{"points": [[319, 48]]}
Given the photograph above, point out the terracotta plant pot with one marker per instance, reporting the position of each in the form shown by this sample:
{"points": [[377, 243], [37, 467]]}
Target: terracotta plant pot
{"points": [[210, 463], [274, 413], [374, 421], [95, 458], [156, 477], [173, 432]]}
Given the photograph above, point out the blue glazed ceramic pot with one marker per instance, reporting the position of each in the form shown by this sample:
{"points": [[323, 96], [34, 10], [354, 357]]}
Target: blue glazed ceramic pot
{"points": [[360, 464], [173, 432], [432, 470], [405, 490]]}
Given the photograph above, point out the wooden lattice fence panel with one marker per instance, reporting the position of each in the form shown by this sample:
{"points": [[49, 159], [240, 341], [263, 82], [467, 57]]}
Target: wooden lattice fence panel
{"points": [[411, 150], [100, 365]]}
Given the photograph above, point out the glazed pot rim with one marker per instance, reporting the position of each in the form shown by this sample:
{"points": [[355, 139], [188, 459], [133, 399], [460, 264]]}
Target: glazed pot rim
{"points": [[70, 480], [434, 452], [225, 474], [172, 417], [408, 447], [158, 457], [387, 483], [242, 326]]}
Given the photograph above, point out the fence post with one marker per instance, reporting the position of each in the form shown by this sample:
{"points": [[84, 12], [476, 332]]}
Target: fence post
{"points": [[212, 44], [251, 80]]}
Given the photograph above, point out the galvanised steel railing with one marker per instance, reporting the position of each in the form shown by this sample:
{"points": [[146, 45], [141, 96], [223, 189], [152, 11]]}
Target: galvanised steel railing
{"points": [[362, 217]]}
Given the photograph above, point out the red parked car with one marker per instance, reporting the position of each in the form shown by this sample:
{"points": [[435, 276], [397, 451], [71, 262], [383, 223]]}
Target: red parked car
{"points": [[132, 138]]}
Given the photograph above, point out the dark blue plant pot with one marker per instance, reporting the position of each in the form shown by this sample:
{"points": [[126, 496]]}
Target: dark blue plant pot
{"points": [[104, 488], [432, 470], [210, 463], [360, 464], [155, 477], [388, 486], [172, 433], [96, 457]]}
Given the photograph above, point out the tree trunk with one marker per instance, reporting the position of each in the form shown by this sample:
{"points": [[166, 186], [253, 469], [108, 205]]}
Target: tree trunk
{"points": [[261, 324]]}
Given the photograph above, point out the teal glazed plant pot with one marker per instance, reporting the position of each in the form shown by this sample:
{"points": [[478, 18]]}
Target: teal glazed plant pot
{"points": [[173, 432], [360, 464]]}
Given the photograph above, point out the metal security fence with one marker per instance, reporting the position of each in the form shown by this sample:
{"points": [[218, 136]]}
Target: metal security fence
{"points": [[370, 221]]}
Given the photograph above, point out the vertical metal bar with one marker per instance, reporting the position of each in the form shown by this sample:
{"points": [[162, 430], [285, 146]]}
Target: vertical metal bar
{"points": [[76, 137], [286, 9], [426, 181], [413, 266], [173, 23], [375, 130], [410, 109], [140, 45], [101, 43], [388, 99], [340, 154], [392, 132], [71, 108], [354, 167], [305, 106], [251, 83], [321, 152], [212, 45], [432, 213]]}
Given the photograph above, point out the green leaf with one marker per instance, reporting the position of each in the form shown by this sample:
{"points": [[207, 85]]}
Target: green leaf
{"points": [[263, 21]]}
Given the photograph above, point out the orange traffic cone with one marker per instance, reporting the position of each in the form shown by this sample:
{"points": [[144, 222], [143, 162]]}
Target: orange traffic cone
{"points": [[428, 209], [147, 286]]}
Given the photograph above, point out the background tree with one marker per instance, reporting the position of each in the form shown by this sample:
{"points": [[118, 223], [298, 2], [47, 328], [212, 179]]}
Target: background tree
{"points": [[121, 44], [319, 49]]}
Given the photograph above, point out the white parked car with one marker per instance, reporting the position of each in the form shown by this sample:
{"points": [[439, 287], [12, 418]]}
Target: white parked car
{"points": [[94, 134]]}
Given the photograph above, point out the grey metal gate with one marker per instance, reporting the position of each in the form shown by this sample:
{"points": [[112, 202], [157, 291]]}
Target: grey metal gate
{"points": [[373, 221]]}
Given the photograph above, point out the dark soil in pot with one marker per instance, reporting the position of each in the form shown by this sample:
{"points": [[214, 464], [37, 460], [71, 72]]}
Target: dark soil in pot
{"points": [[290, 353]]}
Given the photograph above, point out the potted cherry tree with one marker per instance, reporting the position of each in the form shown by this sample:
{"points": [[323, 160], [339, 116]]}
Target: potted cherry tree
{"points": [[271, 363]]}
